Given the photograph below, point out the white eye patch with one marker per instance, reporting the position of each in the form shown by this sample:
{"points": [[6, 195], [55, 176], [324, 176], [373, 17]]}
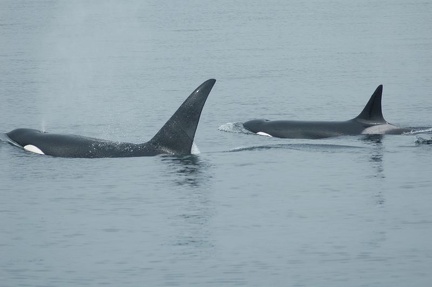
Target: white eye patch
{"points": [[33, 148], [264, 134]]}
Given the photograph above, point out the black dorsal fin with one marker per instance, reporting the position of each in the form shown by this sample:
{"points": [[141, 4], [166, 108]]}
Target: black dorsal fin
{"points": [[372, 112], [177, 135]]}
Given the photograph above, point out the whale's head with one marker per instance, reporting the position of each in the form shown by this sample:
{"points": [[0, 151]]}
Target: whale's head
{"points": [[255, 126]]}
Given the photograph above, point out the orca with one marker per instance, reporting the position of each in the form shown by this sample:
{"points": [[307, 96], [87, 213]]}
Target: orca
{"points": [[369, 122], [174, 138]]}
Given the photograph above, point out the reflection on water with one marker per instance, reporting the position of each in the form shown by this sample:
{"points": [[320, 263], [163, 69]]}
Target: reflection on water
{"points": [[376, 158], [187, 170], [375, 141], [195, 210]]}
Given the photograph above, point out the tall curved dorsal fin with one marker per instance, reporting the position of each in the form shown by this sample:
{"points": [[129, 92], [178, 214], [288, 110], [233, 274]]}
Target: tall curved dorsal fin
{"points": [[372, 112], [177, 135]]}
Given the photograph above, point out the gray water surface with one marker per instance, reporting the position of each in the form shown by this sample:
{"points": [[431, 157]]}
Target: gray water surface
{"points": [[247, 210]]}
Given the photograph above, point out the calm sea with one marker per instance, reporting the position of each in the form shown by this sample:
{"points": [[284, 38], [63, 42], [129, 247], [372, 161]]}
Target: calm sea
{"points": [[247, 210]]}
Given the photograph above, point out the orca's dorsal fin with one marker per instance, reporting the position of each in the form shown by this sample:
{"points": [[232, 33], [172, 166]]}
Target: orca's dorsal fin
{"points": [[372, 112], [177, 135]]}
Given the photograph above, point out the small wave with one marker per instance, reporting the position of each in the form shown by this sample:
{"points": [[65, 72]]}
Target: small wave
{"points": [[3, 137], [234, 128], [6, 139], [416, 131], [300, 146], [423, 141]]}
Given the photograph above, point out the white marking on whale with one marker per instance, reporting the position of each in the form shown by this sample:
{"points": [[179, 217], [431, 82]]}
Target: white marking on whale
{"points": [[264, 134], [33, 148], [379, 129]]}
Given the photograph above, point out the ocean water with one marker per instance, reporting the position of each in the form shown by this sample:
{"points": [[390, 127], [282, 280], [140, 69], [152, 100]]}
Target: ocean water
{"points": [[246, 210]]}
